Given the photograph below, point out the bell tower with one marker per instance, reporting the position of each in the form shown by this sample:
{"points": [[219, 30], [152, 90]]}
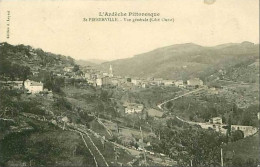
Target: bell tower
{"points": [[110, 71]]}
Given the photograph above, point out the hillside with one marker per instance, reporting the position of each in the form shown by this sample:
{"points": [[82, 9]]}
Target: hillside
{"points": [[183, 61], [32, 132], [77, 124], [20, 60], [96, 61]]}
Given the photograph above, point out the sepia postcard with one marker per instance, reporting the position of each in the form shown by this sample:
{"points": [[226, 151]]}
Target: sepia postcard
{"points": [[125, 83]]}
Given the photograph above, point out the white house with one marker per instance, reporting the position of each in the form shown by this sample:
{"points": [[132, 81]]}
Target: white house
{"points": [[179, 83], [144, 85], [157, 81], [216, 120], [168, 82], [105, 74], [136, 81], [247, 130], [133, 108], [99, 82], [103, 81], [33, 87]]}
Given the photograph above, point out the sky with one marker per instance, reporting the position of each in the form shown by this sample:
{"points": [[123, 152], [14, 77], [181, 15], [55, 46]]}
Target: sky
{"points": [[57, 26]]}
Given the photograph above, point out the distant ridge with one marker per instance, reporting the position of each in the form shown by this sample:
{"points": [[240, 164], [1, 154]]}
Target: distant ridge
{"points": [[183, 61], [97, 61], [90, 62]]}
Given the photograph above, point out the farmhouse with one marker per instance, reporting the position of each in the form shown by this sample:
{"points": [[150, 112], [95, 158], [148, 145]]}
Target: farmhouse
{"points": [[168, 82], [33, 87], [158, 81], [103, 81], [133, 108], [247, 130], [136, 81], [216, 120], [179, 83]]}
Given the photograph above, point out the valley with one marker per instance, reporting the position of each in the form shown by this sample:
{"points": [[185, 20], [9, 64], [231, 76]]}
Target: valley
{"points": [[161, 108]]}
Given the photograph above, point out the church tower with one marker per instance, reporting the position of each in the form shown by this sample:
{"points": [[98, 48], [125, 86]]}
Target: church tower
{"points": [[110, 71]]}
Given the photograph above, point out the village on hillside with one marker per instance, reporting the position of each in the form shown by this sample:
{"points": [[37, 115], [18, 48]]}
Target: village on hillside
{"points": [[100, 79], [123, 119]]}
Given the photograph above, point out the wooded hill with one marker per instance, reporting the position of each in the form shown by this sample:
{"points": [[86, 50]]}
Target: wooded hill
{"points": [[19, 61], [184, 61]]}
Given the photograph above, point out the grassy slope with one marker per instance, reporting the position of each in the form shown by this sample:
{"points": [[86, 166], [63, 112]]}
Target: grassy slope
{"points": [[45, 145], [108, 152]]}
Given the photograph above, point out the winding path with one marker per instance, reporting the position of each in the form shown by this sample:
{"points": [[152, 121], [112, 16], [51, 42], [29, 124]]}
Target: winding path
{"points": [[185, 94]]}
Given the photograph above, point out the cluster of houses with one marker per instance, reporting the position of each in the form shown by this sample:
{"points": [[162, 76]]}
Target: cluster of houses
{"points": [[30, 87], [217, 124], [102, 79], [98, 78]]}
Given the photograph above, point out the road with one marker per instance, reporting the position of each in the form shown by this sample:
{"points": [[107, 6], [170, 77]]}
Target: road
{"points": [[185, 94], [240, 83]]}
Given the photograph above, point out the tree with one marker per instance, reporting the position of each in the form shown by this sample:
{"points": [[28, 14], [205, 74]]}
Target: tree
{"points": [[169, 105], [200, 144], [229, 127], [237, 135], [76, 68], [25, 72], [62, 104], [14, 71], [238, 161]]}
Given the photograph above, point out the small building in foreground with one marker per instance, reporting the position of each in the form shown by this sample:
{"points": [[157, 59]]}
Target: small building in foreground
{"points": [[33, 87]]}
